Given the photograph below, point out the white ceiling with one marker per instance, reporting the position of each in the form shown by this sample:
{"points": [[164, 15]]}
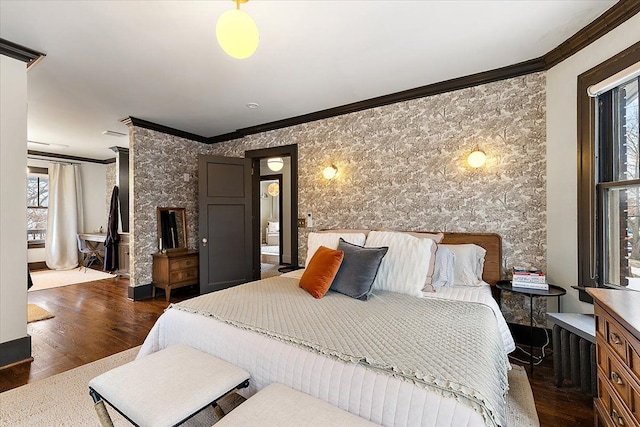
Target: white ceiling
{"points": [[159, 60]]}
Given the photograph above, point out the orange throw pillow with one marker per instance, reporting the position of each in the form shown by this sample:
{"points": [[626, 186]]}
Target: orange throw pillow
{"points": [[320, 272]]}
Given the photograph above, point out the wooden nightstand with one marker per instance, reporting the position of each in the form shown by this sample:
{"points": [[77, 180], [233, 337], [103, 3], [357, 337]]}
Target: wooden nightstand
{"points": [[618, 354], [174, 269]]}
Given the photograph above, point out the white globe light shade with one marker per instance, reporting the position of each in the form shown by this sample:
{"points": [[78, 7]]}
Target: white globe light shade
{"points": [[275, 163], [273, 189], [477, 159], [237, 34], [330, 172]]}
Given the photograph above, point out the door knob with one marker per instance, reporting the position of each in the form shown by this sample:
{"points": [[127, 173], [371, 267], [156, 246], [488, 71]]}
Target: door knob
{"points": [[204, 241]]}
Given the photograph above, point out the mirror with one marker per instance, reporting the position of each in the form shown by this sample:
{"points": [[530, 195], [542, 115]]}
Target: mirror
{"points": [[172, 229]]}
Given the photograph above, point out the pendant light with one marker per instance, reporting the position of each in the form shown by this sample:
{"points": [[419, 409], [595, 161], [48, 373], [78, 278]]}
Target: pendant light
{"points": [[237, 33]]}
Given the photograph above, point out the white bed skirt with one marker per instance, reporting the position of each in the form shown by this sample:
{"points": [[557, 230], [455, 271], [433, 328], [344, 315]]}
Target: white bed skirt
{"points": [[380, 398]]}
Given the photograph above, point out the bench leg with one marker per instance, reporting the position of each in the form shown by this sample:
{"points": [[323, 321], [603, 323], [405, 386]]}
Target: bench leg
{"points": [[101, 409], [218, 411]]}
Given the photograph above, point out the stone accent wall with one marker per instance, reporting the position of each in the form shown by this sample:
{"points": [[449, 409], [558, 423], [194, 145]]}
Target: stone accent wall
{"points": [[110, 183], [157, 164], [401, 166]]}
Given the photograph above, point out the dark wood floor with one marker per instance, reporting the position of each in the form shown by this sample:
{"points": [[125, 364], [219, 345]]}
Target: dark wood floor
{"points": [[95, 320], [92, 320], [564, 406]]}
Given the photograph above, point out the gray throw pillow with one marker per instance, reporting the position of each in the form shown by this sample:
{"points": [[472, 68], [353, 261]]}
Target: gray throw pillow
{"points": [[358, 270]]}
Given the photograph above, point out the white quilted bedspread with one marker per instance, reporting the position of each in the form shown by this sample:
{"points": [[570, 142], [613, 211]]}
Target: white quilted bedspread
{"points": [[451, 348]]}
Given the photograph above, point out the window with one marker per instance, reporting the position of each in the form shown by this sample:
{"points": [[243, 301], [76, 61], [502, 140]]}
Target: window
{"points": [[37, 206], [619, 185], [609, 175]]}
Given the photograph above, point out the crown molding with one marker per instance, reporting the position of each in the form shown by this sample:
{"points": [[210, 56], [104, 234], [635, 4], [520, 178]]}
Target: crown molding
{"points": [[19, 52], [609, 20], [134, 121], [71, 158]]}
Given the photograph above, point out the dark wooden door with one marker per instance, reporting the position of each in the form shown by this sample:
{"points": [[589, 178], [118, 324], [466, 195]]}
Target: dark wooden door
{"points": [[225, 222]]}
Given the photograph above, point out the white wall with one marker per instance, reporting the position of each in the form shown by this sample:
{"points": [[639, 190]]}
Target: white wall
{"points": [[13, 193], [94, 187], [562, 116]]}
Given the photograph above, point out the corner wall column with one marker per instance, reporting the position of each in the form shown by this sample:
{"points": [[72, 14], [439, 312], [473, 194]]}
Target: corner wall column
{"points": [[122, 181]]}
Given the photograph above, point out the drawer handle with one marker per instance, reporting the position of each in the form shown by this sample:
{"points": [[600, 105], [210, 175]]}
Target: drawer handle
{"points": [[616, 378], [616, 417], [188, 263], [615, 338]]}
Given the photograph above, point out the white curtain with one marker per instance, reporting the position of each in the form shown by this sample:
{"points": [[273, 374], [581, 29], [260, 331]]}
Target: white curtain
{"points": [[65, 217]]}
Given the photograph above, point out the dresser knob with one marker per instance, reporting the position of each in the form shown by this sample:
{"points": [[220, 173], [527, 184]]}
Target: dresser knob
{"points": [[616, 378], [616, 417], [615, 338]]}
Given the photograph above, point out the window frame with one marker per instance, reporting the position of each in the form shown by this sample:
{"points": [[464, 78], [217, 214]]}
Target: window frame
{"points": [[590, 234], [40, 243]]}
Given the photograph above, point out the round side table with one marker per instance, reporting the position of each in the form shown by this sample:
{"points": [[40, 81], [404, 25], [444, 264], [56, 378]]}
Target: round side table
{"points": [[553, 291]]}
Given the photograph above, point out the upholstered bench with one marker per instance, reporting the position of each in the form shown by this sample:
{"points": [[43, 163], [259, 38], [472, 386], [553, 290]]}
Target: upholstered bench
{"points": [[167, 387], [279, 406]]}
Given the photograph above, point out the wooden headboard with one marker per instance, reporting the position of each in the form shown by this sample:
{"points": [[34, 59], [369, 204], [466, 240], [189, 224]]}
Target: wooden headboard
{"points": [[491, 242]]}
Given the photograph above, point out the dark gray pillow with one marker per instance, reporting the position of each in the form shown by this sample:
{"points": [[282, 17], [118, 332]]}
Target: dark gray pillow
{"points": [[358, 270]]}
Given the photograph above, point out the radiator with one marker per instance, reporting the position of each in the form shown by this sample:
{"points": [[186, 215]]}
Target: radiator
{"points": [[574, 360]]}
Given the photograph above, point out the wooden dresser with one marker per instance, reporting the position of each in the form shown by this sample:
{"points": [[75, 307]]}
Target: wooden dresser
{"points": [[617, 318], [174, 269]]}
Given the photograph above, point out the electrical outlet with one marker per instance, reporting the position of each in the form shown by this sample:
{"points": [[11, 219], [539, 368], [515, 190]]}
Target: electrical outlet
{"points": [[302, 222]]}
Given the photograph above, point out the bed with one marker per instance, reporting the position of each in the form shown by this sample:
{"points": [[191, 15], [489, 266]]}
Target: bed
{"points": [[324, 364]]}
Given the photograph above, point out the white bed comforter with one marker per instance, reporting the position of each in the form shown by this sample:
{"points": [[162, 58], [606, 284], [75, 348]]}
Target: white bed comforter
{"points": [[380, 398], [480, 294]]}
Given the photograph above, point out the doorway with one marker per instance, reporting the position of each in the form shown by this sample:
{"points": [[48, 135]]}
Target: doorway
{"points": [[270, 165], [271, 218]]}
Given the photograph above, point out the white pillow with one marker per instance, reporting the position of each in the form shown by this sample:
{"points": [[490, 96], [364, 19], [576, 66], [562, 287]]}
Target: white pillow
{"points": [[444, 272], [331, 240], [407, 264], [469, 263]]}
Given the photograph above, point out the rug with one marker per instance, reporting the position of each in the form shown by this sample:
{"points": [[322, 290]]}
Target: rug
{"points": [[33, 405], [35, 313], [270, 250], [268, 270], [521, 408], [47, 279]]}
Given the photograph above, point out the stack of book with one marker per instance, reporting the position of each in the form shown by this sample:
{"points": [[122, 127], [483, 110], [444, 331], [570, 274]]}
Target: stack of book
{"points": [[529, 278]]}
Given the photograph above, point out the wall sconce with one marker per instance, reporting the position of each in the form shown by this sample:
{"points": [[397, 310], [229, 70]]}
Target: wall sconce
{"points": [[477, 159], [273, 189], [275, 164], [330, 172]]}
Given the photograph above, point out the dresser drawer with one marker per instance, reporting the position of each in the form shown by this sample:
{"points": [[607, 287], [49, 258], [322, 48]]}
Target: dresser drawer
{"points": [[634, 361], [182, 263], [616, 339], [611, 332], [614, 412], [634, 407], [616, 376], [184, 275]]}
